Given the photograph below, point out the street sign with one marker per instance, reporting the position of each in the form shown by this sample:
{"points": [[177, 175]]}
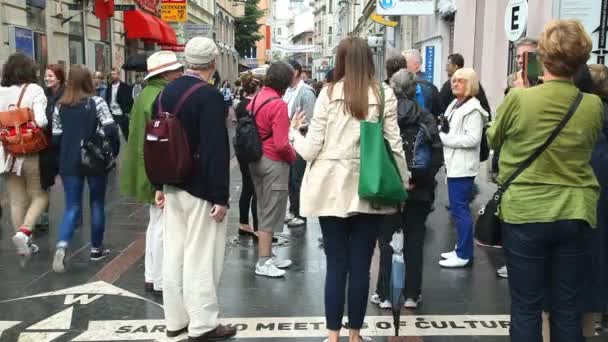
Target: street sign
{"points": [[405, 7], [192, 30], [122, 8], [516, 19], [429, 63], [174, 11]]}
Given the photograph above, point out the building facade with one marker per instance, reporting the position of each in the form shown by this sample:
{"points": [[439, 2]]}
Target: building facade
{"points": [[226, 12], [61, 32], [476, 29]]}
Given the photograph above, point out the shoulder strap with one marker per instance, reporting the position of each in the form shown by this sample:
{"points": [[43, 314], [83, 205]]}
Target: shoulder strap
{"points": [[544, 146], [262, 105], [22, 94], [182, 98], [381, 118], [187, 94]]}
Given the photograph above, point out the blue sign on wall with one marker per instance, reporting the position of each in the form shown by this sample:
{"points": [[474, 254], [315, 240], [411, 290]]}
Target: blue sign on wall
{"points": [[24, 41], [429, 63]]}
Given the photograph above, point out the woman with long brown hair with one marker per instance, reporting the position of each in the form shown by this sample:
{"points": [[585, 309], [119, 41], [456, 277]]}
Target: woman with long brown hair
{"points": [[79, 115], [27, 199], [350, 225]]}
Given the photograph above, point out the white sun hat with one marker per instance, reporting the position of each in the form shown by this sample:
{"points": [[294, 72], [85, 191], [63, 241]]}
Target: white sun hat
{"points": [[162, 61]]}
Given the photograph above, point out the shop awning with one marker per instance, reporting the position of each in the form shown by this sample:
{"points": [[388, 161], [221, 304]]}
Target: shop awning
{"points": [[169, 37], [140, 25]]}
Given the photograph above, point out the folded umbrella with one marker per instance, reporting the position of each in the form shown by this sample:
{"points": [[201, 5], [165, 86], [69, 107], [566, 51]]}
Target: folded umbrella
{"points": [[397, 285]]}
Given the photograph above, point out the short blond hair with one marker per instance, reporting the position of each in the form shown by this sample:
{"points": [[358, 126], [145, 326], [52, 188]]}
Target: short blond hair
{"points": [[471, 80], [599, 76], [564, 46]]}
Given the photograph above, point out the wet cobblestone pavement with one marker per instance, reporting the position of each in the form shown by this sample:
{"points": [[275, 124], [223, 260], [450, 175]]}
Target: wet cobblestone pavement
{"points": [[106, 301]]}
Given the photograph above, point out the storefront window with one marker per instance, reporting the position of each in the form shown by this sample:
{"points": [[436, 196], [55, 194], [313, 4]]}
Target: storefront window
{"points": [[41, 52], [76, 39], [35, 18]]}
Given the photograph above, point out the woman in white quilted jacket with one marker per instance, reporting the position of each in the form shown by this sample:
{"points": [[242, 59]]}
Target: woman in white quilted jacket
{"points": [[461, 133]]}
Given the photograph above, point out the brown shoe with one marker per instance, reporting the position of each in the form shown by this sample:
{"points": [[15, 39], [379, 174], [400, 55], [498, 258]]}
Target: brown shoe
{"points": [[220, 333]]}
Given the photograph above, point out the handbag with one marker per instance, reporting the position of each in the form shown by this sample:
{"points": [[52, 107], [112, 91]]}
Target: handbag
{"points": [[379, 178], [19, 133], [96, 154], [488, 226]]}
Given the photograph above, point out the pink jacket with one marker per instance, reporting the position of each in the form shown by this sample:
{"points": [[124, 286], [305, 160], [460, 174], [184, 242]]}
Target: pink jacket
{"points": [[273, 126]]}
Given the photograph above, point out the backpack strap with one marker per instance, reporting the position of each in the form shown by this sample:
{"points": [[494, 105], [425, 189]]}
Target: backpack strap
{"points": [[22, 94], [262, 105], [182, 98]]}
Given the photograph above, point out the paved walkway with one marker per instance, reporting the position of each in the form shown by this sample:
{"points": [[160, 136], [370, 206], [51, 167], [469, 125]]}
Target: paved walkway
{"points": [[105, 301]]}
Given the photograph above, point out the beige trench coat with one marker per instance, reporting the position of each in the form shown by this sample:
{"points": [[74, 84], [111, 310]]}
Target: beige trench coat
{"points": [[331, 150]]}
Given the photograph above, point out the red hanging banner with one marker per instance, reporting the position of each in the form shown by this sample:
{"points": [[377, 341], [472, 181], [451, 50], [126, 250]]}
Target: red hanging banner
{"points": [[104, 9]]}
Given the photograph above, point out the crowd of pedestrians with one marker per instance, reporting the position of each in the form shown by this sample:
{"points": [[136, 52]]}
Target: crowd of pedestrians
{"points": [[305, 142]]}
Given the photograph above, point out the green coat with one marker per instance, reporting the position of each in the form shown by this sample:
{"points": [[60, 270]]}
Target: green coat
{"points": [[133, 179]]}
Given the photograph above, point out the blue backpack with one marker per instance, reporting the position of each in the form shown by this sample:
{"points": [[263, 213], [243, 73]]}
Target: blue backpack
{"points": [[420, 96]]}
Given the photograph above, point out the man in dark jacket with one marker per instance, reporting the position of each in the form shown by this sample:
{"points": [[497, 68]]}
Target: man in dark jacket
{"points": [[430, 92], [119, 97], [195, 211], [455, 62]]}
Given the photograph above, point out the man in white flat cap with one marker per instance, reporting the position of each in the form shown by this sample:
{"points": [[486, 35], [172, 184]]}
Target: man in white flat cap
{"points": [[195, 211], [163, 67]]}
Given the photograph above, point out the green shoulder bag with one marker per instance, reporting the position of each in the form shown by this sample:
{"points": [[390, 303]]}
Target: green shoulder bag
{"points": [[379, 178]]}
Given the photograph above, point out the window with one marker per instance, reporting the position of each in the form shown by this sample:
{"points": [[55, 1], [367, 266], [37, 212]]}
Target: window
{"points": [[279, 32], [331, 6]]}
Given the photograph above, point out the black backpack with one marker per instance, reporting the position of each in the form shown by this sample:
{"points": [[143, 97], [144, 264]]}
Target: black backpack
{"points": [[247, 142]]}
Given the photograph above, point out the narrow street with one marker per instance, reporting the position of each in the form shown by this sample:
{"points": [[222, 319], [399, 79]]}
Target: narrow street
{"points": [[106, 301]]}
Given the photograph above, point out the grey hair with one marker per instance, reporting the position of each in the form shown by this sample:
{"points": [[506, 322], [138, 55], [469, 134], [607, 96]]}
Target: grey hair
{"points": [[413, 53], [526, 41], [404, 84], [199, 67]]}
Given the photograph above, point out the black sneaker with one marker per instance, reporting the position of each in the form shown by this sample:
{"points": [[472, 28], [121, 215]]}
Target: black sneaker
{"points": [[99, 253]]}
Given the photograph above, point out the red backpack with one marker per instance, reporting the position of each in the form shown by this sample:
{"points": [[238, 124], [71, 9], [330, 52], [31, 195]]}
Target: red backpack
{"points": [[167, 154]]}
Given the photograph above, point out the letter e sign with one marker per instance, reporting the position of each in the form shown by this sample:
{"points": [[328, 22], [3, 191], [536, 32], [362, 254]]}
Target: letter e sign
{"points": [[516, 19]]}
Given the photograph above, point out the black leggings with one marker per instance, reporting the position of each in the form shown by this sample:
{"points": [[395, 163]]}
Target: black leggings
{"points": [[247, 199]]}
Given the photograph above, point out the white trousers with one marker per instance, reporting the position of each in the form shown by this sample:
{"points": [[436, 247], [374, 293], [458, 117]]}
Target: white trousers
{"points": [[154, 248], [194, 258]]}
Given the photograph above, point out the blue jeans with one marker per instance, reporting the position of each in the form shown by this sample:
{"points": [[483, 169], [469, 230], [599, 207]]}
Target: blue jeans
{"points": [[73, 187], [459, 193], [349, 245], [547, 263]]}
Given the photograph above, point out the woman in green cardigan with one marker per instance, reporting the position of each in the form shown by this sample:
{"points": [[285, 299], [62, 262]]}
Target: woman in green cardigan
{"points": [[163, 67], [550, 208]]}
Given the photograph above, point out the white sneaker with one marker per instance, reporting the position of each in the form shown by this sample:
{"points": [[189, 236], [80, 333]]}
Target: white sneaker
{"points": [[34, 248], [363, 339], [502, 272], [385, 305], [296, 222], [449, 255], [22, 244], [286, 263], [455, 262], [269, 270], [375, 299], [289, 217], [58, 261], [412, 303]]}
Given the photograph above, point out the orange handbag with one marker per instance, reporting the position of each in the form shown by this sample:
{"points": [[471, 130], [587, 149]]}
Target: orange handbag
{"points": [[19, 132]]}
